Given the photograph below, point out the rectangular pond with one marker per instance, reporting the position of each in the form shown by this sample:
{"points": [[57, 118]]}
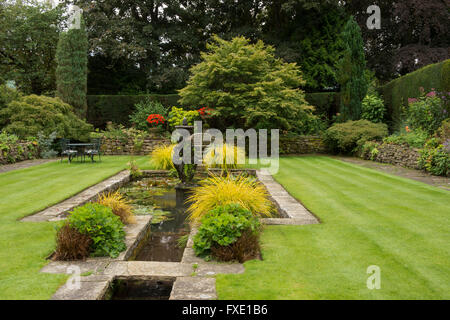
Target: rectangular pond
{"points": [[158, 197]]}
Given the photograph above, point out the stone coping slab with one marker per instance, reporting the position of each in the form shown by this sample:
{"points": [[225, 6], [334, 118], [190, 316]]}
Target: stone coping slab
{"points": [[60, 210], [288, 206], [194, 288]]}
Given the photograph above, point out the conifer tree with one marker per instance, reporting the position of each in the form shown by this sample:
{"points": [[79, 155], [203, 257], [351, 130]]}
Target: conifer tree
{"points": [[71, 71], [351, 76]]}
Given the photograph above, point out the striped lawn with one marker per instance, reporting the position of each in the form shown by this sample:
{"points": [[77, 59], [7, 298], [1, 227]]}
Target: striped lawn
{"points": [[24, 246], [368, 218]]}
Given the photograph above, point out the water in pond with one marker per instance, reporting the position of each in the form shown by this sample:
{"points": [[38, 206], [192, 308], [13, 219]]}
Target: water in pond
{"points": [[158, 197], [130, 289]]}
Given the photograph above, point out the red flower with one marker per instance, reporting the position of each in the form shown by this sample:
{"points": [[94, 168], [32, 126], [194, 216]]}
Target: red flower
{"points": [[155, 119], [205, 111]]}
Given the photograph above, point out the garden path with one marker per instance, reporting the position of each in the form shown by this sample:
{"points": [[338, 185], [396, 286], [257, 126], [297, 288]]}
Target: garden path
{"points": [[440, 182], [23, 164]]}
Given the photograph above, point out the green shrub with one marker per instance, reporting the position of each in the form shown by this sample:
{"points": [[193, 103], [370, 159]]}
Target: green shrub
{"points": [[427, 113], [145, 108], [222, 227], [397, 92], [102, 226], [248, 87], [33, 114], [373, 109], [118, 108], [414, 139], [435, 158], [176, 116], [348, 137]]}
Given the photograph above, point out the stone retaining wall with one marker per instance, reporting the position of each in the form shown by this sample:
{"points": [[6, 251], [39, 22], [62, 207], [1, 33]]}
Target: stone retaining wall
{"points": [[302, 145], [132, 145], [18, 152], [396, 154]]}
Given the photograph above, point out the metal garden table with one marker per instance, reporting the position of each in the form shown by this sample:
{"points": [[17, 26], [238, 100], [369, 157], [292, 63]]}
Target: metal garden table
{"points": [[81, 147]]}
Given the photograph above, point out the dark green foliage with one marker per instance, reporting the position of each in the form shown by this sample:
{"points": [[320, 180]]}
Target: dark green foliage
{"points": [[33, 114], [118, 108], [28, 38], [102, 226], [351, 73], [347, 137], [248, 87], [325, 103], [145, 108], [373, 108], [71, 72], [222, 227], [397, 92]]}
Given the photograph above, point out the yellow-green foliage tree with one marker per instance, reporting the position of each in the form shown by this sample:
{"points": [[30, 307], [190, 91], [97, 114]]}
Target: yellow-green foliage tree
{"points": [[248, 86]]}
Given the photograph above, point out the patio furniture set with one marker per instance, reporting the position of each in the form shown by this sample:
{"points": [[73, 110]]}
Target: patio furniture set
{"points": [[80, 150]]}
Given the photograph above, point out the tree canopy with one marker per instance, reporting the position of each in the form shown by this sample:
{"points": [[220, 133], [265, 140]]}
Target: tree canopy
{"points": [[248, 87]]}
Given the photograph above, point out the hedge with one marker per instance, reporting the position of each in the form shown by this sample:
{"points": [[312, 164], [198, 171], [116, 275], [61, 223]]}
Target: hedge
{"points": [[397, 92], [326, 103], [117, 108]]}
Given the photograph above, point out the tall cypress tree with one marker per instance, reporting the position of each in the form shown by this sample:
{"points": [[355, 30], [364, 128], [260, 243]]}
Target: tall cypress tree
{"points": [[71, 71], [351, 75]]}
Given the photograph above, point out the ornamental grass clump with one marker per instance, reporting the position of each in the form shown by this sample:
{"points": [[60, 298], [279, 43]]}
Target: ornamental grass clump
{"points": [[225, 156], [119, 206], [71, 244], [161, 157], [219, 191]]}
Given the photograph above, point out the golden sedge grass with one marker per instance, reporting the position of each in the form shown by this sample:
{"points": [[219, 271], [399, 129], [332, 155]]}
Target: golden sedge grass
{"points": [[223, 156], [161, 157], [218, 191], [119, 206]]}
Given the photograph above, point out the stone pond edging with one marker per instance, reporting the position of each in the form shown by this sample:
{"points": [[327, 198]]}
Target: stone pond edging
{"points": [[193, 277]]}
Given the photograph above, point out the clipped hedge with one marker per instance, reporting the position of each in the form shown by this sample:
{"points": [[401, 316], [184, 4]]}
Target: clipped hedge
{"points": [[117, 108], [396, 93]]}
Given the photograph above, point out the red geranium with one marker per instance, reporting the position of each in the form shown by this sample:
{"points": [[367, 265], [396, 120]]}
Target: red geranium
{"points": [[205, 111], [155, 119]]}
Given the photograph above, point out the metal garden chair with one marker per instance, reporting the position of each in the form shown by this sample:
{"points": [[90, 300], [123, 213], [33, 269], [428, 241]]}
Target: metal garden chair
{"points": [[96, 144], [66, 151]]}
